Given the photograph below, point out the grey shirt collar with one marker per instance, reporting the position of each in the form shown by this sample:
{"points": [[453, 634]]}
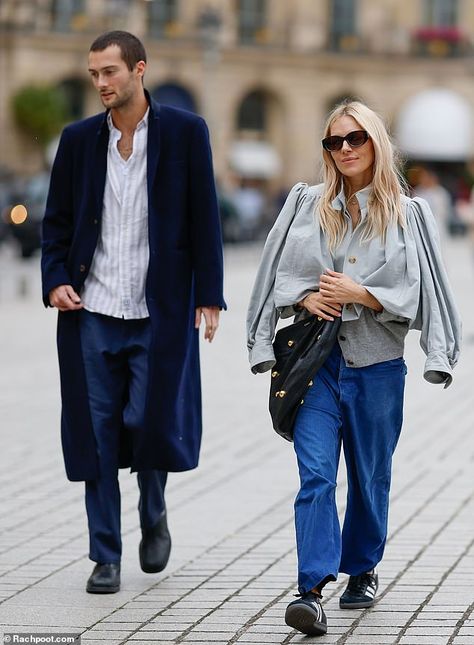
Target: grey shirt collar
{"points": [[362, 196]]}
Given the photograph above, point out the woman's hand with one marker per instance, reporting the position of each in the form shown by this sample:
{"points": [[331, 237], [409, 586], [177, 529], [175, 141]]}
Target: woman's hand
{"points": [[317, 304], [340, 288]]}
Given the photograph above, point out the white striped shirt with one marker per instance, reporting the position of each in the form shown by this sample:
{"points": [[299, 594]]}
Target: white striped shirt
{"points": [[115, 285]]}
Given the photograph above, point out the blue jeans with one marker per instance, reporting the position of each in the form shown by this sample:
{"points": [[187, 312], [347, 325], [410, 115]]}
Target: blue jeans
{"points": [[115, 355], [362, 408]]}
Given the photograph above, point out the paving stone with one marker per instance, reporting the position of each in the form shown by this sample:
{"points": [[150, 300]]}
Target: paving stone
{"points": [[230, 562], [425, 640], [105, 635], [152, 636], [366, 639]]}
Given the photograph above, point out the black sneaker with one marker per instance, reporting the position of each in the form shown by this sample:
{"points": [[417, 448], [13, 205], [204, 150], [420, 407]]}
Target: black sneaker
{"points": [[360, 591], [307, 615]]}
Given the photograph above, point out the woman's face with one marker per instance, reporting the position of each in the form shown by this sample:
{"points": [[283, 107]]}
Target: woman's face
{"points": [[354, 163]]}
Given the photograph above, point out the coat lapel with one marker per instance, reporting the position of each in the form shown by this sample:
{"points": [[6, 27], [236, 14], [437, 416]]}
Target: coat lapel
{"points": [[99, 163], [153, 144]]}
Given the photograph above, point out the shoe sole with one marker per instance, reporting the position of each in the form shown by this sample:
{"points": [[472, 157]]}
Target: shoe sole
{"points": [[147, 569], [94, 589], [356, 605], [304, 619]]}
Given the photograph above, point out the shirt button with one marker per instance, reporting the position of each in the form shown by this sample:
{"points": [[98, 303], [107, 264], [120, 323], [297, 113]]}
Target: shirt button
{"points": [[82, 268], [349, 306], [352, 259], [342, 338], [350, 362]]}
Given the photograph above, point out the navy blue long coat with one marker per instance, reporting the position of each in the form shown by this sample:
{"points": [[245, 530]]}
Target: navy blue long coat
{"points": [[185, 271]]}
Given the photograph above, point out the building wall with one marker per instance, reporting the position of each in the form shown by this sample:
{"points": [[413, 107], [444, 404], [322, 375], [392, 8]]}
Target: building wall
{"points": [[291, 63]]}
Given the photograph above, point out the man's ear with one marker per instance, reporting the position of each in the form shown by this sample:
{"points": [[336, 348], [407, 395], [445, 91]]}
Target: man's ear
{"points": [[141, 67]]}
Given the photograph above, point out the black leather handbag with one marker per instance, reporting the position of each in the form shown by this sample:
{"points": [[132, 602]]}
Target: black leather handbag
{"points": [[300, 350]]}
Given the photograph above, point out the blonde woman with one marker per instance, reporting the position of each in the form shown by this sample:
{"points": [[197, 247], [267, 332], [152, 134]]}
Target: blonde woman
{"points": [[355, 248]]}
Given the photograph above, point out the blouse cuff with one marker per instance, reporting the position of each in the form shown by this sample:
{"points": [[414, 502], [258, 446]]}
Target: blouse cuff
{"points": [[437, 369], [261, 357]]}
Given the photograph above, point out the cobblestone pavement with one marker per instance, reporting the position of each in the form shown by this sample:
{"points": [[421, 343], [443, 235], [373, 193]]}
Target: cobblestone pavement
{"points": [[233, 567]]}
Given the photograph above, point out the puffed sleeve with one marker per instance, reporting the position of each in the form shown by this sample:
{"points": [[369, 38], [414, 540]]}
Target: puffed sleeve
{"points": [[437, 317], [262, 315], [396, 283]]}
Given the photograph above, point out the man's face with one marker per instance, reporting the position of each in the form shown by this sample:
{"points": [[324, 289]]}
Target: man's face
{"points": [[116, 84]]}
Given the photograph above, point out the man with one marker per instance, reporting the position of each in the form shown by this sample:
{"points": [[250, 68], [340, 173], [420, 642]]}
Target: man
{"points": [[132, 259]]}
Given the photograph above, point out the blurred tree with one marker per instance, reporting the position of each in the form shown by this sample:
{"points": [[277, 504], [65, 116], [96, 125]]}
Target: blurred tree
{"points": [[40, 111]]}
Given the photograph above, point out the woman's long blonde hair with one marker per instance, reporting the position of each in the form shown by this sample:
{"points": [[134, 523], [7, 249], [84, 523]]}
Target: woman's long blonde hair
{"points": [[384, 205]]}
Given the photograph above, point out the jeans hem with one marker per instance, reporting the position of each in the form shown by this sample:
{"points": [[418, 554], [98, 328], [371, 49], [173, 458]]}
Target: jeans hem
{"points": [[318, 580], [350, 573]]}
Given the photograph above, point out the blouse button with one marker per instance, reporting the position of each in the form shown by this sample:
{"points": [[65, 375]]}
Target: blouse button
{"points": [[352, 259]]}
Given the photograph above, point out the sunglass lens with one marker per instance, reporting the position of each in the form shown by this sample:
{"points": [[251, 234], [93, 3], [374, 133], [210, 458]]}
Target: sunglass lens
{"points": [[332, 143], [357, 138]]}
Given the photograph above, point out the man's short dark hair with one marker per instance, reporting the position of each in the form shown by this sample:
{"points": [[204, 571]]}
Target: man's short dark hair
{"points": [[131, 49]]}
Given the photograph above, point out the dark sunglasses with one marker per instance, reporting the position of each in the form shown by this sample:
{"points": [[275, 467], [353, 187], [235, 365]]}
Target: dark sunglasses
{"points": [[355, 139]]}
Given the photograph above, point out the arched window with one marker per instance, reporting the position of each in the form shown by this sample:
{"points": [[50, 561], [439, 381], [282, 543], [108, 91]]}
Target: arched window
{"points": [[174, 95], [252, 114]]}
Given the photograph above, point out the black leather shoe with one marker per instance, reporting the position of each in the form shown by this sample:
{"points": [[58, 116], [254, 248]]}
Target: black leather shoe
{"points": [[105, 578], [155, 547]]}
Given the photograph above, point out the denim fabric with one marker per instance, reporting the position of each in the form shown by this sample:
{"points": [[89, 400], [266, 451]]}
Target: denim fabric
{"points": [[116, 362], [362, 409]]}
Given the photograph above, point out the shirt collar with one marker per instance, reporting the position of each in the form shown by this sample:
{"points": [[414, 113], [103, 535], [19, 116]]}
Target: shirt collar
{"points": [[339, 202], [141, 124]]}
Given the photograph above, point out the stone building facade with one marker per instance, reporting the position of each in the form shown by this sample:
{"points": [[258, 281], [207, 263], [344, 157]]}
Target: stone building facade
{"points": [[263, 72]]}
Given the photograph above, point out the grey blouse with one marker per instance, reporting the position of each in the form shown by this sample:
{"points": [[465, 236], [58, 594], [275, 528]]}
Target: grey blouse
{"points": [[406, 275]]}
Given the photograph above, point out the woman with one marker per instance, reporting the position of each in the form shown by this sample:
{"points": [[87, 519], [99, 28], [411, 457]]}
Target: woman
{"points": [[355, 248]]}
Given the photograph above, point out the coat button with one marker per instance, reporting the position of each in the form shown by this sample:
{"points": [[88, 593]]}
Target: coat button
{"points": [[342, 338], [352, 259], [82, 268], [96, 221]]}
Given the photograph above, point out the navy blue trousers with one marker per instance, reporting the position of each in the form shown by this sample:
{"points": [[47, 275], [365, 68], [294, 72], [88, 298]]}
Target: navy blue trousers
{"points": [[362, 409], [116, 364]]}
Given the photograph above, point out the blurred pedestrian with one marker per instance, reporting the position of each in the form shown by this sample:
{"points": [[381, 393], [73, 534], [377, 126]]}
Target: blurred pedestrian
{"points": [[132, 259], [353, 248], [228, 214], [438, 197], [249, 202]]}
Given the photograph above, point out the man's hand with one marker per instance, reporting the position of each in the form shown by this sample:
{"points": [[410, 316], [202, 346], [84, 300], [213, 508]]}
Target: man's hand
{"points": [[64, 298], [211, 317]]}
